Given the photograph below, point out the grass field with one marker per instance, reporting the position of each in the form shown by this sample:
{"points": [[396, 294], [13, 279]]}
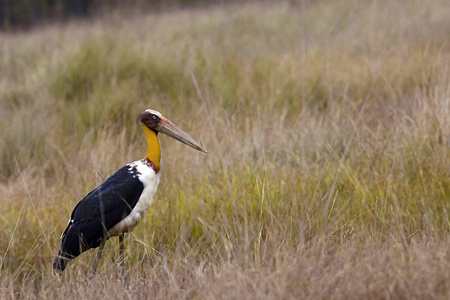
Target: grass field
{"points": [[327, 125]]}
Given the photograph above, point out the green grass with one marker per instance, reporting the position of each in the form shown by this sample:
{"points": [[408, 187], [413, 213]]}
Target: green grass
{"points": [[327, 129]]}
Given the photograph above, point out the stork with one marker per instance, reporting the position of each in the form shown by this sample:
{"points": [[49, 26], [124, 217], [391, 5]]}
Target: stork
{"points": [[117, 205]]}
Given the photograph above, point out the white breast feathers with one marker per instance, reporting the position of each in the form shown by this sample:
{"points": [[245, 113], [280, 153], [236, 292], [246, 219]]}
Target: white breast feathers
{"points": [[150, 180]]}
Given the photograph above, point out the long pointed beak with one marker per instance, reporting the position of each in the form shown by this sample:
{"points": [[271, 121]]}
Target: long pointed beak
{"points": [[170, 129]]}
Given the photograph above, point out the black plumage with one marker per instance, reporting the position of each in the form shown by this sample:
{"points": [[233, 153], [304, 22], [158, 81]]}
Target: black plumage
{"points": [[97, 213]]}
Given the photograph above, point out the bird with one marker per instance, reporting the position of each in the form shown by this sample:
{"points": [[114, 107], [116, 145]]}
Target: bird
{"points": [[117, 205]]}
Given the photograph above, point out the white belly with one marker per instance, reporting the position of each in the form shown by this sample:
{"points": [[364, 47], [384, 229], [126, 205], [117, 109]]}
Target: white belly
{"points": [[150, 180]]}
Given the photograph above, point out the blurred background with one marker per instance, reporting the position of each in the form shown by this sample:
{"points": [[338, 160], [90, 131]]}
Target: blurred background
{"points": [[29, 13], [327, 125]]}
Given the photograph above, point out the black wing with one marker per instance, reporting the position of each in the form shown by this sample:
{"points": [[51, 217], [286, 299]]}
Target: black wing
{"points": [[98, 212]]}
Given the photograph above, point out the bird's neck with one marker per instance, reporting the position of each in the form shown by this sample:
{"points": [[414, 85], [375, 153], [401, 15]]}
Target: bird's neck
{"points": [[154, 148]]}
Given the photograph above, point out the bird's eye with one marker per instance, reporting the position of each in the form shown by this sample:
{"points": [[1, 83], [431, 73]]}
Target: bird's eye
{"points": [[154, 117]]}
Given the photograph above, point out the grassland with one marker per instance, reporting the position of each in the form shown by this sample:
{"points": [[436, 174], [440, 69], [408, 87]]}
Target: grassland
{"points": [[328, 130]]}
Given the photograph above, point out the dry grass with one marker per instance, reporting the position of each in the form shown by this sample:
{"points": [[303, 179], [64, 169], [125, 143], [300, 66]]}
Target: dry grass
{"points": [[328, 130]]}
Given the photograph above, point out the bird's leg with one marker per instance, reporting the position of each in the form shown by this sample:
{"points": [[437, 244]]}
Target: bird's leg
{"points": [[121, 259], [99, 254]]}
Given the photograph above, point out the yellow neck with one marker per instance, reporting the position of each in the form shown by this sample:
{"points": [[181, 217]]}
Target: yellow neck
{"points": [[154, 148]]}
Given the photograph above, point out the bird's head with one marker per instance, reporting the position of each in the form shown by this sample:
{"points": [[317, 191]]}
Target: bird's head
{"points": [[156, 122]]}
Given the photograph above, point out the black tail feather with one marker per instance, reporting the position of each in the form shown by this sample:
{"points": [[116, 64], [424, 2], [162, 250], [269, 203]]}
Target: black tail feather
{"points": [[60, 263]]}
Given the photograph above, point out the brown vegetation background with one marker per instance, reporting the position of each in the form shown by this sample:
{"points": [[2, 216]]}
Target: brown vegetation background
{"points": [[327, 125]]}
